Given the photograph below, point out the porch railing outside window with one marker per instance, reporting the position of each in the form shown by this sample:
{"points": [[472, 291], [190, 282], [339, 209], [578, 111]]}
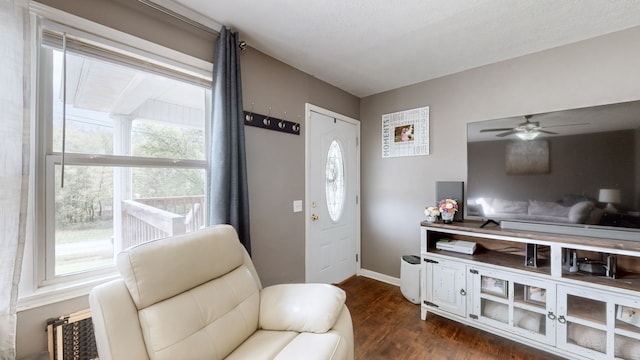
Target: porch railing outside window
{"points": [[149, 219]]}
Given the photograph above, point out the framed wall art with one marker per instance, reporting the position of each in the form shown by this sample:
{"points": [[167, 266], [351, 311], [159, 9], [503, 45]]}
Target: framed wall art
{"points": [[527, 157], [406, 133]]}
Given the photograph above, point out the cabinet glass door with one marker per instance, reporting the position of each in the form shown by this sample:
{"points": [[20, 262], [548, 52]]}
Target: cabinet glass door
{"points": [[517, 304], [598, 324], [586, 322], [531, 309], [494, 298]]}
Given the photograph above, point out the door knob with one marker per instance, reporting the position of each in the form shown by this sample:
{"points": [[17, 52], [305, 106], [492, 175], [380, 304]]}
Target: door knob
{"points": [[314, 217]]}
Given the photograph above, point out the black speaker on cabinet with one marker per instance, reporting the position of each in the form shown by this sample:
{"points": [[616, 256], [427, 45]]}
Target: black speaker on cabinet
{"points": [[452, 190], [531, 255]]}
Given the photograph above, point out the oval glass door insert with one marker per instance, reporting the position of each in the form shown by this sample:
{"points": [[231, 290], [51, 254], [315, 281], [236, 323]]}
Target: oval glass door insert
{"points": [[334, 182]]}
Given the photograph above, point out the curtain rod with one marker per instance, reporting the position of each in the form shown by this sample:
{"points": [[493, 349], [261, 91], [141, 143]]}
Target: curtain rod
{"points": [[178, 16]]}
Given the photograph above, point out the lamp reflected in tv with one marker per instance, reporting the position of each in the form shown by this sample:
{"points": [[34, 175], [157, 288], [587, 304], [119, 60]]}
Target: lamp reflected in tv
{"points": [[609, 196]]}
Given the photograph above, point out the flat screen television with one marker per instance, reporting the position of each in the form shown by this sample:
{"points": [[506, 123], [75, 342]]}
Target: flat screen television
{"points": [[575, 171]]}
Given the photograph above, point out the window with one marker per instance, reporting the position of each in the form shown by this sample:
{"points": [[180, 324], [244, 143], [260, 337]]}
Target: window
{"points": [[122, 151]]}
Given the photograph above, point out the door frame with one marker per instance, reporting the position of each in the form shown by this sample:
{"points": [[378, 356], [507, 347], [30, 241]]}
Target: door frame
{"points": [[307, 222]]}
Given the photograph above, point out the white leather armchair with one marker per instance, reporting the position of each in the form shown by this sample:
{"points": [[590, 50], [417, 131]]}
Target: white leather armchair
{"points": [[198, 296]]}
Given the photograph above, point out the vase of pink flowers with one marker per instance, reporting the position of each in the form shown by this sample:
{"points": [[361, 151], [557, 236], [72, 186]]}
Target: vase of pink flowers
{"points": [[448, 208]]}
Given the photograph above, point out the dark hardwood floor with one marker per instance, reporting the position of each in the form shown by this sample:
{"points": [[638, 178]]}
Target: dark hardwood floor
{"points": [[387, 326]]}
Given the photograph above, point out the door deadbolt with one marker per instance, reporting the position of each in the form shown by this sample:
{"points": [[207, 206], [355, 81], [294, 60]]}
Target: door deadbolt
{"points": [[314, 217]]}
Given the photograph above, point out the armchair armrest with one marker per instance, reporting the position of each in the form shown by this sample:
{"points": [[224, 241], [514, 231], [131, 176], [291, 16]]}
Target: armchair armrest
{"points": [[300, 307]]}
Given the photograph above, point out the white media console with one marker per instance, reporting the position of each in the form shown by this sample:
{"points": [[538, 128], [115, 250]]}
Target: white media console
{"points": [[573, 296]]}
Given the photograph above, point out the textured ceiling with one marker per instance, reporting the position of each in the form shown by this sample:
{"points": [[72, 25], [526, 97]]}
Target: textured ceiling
{"points": [[369, 46]]}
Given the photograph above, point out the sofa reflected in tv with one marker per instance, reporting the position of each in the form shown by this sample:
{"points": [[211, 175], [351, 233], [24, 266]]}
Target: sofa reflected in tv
{"points": [[572, 215], [579, 212]]}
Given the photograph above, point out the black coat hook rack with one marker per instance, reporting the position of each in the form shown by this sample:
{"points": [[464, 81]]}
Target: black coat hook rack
{"points": [[271, 123]]}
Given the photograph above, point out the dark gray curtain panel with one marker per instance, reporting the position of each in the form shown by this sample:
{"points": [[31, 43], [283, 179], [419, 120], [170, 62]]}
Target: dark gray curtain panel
{"points": [[228, 195]]}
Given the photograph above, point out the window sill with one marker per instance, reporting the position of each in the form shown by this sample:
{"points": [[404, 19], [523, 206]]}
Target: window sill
{"points": [[61, 292]]}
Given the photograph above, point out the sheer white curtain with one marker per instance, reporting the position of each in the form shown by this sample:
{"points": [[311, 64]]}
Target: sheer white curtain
{"points": [[14, 161]]}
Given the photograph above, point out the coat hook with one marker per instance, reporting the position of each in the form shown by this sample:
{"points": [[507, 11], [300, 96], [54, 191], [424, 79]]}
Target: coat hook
{"points": [[267, 120], [296, 126], [249, 116], [281, 123]]}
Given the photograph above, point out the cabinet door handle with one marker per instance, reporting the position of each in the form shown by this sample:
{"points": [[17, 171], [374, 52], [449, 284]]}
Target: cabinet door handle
{"points": [[561, 319], [551, 316], [462, 292]]}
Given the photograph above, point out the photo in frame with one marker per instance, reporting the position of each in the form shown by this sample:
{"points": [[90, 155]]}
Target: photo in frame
{"points": [[495, 286], [628, 314], [535, 295]]}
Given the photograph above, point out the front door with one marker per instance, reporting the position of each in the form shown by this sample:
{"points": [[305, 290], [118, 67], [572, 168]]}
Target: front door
{"points": [[332, 188]]}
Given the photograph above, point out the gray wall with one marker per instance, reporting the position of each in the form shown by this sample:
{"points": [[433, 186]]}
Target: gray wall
{"points": [[395, 190], [275, 160]]}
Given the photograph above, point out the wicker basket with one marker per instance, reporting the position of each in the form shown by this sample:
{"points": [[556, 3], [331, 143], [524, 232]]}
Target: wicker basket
{"points": [[71, 337]]}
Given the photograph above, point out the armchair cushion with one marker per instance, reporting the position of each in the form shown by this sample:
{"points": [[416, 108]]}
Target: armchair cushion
{"points": [[300, 307], [162, 268]]}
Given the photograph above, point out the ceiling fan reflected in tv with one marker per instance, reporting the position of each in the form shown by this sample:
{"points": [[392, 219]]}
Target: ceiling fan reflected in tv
{"points": [[528, 130]]}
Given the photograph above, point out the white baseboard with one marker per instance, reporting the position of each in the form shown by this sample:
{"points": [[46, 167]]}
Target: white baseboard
{"points": [[380, 277]]}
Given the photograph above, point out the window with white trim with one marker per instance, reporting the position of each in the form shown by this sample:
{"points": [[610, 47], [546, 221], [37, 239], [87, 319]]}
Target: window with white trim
{"points": [[121, 151]]}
